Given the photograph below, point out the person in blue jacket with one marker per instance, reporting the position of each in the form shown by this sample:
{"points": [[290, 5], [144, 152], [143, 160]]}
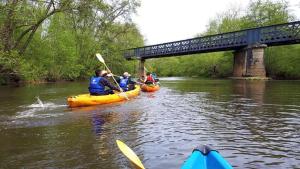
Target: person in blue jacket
{"points": [[125, 82], [98, 83]]}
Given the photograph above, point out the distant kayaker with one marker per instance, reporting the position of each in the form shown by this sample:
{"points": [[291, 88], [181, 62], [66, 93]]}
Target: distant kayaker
{"points": [[125, 81], [141, 79], [154, 76], [149, 79], [98, 83]]}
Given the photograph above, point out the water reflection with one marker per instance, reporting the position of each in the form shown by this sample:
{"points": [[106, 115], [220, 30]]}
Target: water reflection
{"points": [[109, 123], [254, 90], [97, 123], [243, 119]]}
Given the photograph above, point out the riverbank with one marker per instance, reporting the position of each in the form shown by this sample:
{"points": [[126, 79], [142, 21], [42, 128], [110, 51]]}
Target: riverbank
{"points": [[250, 78], [4, 81], [14, 82]]}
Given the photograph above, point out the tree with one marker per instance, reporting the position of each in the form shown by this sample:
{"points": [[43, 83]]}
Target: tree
{"points": [[23, 18], [267, 12], [63, 36]]}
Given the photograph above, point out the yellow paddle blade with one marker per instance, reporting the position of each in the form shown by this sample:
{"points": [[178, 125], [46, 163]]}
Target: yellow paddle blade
{"points": [[130, 154], [100, 58]]}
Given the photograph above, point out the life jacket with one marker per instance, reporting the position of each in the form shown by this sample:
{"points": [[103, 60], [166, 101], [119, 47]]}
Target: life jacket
{"points": [[150, 79], [95, 86], [124, 83]]}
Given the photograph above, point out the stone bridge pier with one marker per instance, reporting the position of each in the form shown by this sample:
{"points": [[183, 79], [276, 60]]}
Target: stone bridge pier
{"points": [[249, 62], [142, 68]]}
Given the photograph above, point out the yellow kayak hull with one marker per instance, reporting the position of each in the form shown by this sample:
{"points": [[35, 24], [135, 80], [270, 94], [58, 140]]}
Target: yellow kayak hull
{"points": [[89, 100]]}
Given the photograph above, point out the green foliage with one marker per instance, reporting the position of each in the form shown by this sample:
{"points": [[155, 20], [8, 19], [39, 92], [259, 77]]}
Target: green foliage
{"points": [[225, 22], [204, 65], [283, 62], [9, 66], [60, 43], [9, 60], [114, 45], [266, 12]]}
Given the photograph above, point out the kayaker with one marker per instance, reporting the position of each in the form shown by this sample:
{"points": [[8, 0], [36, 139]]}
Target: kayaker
{"points": [[141, 79], [154, 76], [98, 83], [149, 79], [125, 82], [131, 83]]}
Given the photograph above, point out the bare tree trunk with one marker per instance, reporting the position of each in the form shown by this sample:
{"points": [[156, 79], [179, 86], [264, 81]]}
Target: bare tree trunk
{"points": [[33, 30]]}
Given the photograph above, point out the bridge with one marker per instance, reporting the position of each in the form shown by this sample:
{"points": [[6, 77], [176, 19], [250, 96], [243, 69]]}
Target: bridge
{"points": [[248, 46]]}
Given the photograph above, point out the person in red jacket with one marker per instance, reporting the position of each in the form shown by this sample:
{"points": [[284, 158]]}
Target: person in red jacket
{"points": [[149, 79]]}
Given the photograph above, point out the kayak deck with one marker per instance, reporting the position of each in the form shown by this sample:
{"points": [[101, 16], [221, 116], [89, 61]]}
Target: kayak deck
{"points": [[206, 158]]}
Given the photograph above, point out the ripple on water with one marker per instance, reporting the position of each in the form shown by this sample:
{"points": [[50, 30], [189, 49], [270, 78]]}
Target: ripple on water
{"points": [[240, 128], [163, 128]]}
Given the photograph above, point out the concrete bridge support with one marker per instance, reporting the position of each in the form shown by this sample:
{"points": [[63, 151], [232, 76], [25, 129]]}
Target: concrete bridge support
{"points": [[249, 62]]}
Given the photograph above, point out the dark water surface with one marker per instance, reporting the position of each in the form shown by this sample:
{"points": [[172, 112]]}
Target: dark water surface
{"points": [[253, 124]]}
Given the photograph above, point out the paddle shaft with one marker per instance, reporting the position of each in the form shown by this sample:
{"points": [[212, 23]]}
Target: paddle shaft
{"points": [[112, 76], [116, 81]]}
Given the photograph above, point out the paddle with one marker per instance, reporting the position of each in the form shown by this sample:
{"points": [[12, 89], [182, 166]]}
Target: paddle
{"points": [[100, 58], [133, 158]]}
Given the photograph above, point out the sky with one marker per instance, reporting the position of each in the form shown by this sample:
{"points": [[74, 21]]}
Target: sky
{"points": [[170, 20]]}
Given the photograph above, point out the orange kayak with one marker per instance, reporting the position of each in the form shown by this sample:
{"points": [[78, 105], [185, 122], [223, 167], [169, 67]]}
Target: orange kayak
{"points": [[149, 88], [89, 100]]}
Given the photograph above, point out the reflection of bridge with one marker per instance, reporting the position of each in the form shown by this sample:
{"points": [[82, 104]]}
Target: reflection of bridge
{"points": [[248, 45]]}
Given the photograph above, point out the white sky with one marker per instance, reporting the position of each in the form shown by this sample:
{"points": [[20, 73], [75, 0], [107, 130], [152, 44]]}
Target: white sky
{"points": [[169, 20]]}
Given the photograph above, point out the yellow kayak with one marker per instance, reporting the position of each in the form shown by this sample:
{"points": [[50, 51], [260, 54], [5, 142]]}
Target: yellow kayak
{"points": [[88, 100]]}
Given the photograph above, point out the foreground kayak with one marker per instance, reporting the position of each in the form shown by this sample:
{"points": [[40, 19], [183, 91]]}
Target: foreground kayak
{"points": [[206, 158], [88, 100], [203, 157], [149, 88]]}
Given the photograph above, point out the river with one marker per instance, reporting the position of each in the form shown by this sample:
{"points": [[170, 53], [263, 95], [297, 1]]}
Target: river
{"points": [[253, 124]]}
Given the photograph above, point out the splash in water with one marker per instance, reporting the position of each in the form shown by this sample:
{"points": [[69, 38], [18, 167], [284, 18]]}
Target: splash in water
{"points": [[38, 109], [39, 104], [39, 101]]}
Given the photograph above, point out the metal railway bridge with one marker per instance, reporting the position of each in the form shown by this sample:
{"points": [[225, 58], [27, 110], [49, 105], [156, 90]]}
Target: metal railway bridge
{"points": [[248, 45]]}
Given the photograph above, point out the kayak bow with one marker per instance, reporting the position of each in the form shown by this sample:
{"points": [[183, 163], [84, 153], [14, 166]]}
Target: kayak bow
{"points": [[204, 157]]}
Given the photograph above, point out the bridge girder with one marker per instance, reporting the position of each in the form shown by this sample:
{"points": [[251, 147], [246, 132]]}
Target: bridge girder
{"points": [[281, 34]]}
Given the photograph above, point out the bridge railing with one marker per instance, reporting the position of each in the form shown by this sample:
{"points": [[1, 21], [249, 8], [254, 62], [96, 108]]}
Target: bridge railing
{"points": [[271, 35], [280, 34]]}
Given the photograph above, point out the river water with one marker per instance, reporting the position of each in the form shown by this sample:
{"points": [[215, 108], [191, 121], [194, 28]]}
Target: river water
{"points": [[253, 124]]}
